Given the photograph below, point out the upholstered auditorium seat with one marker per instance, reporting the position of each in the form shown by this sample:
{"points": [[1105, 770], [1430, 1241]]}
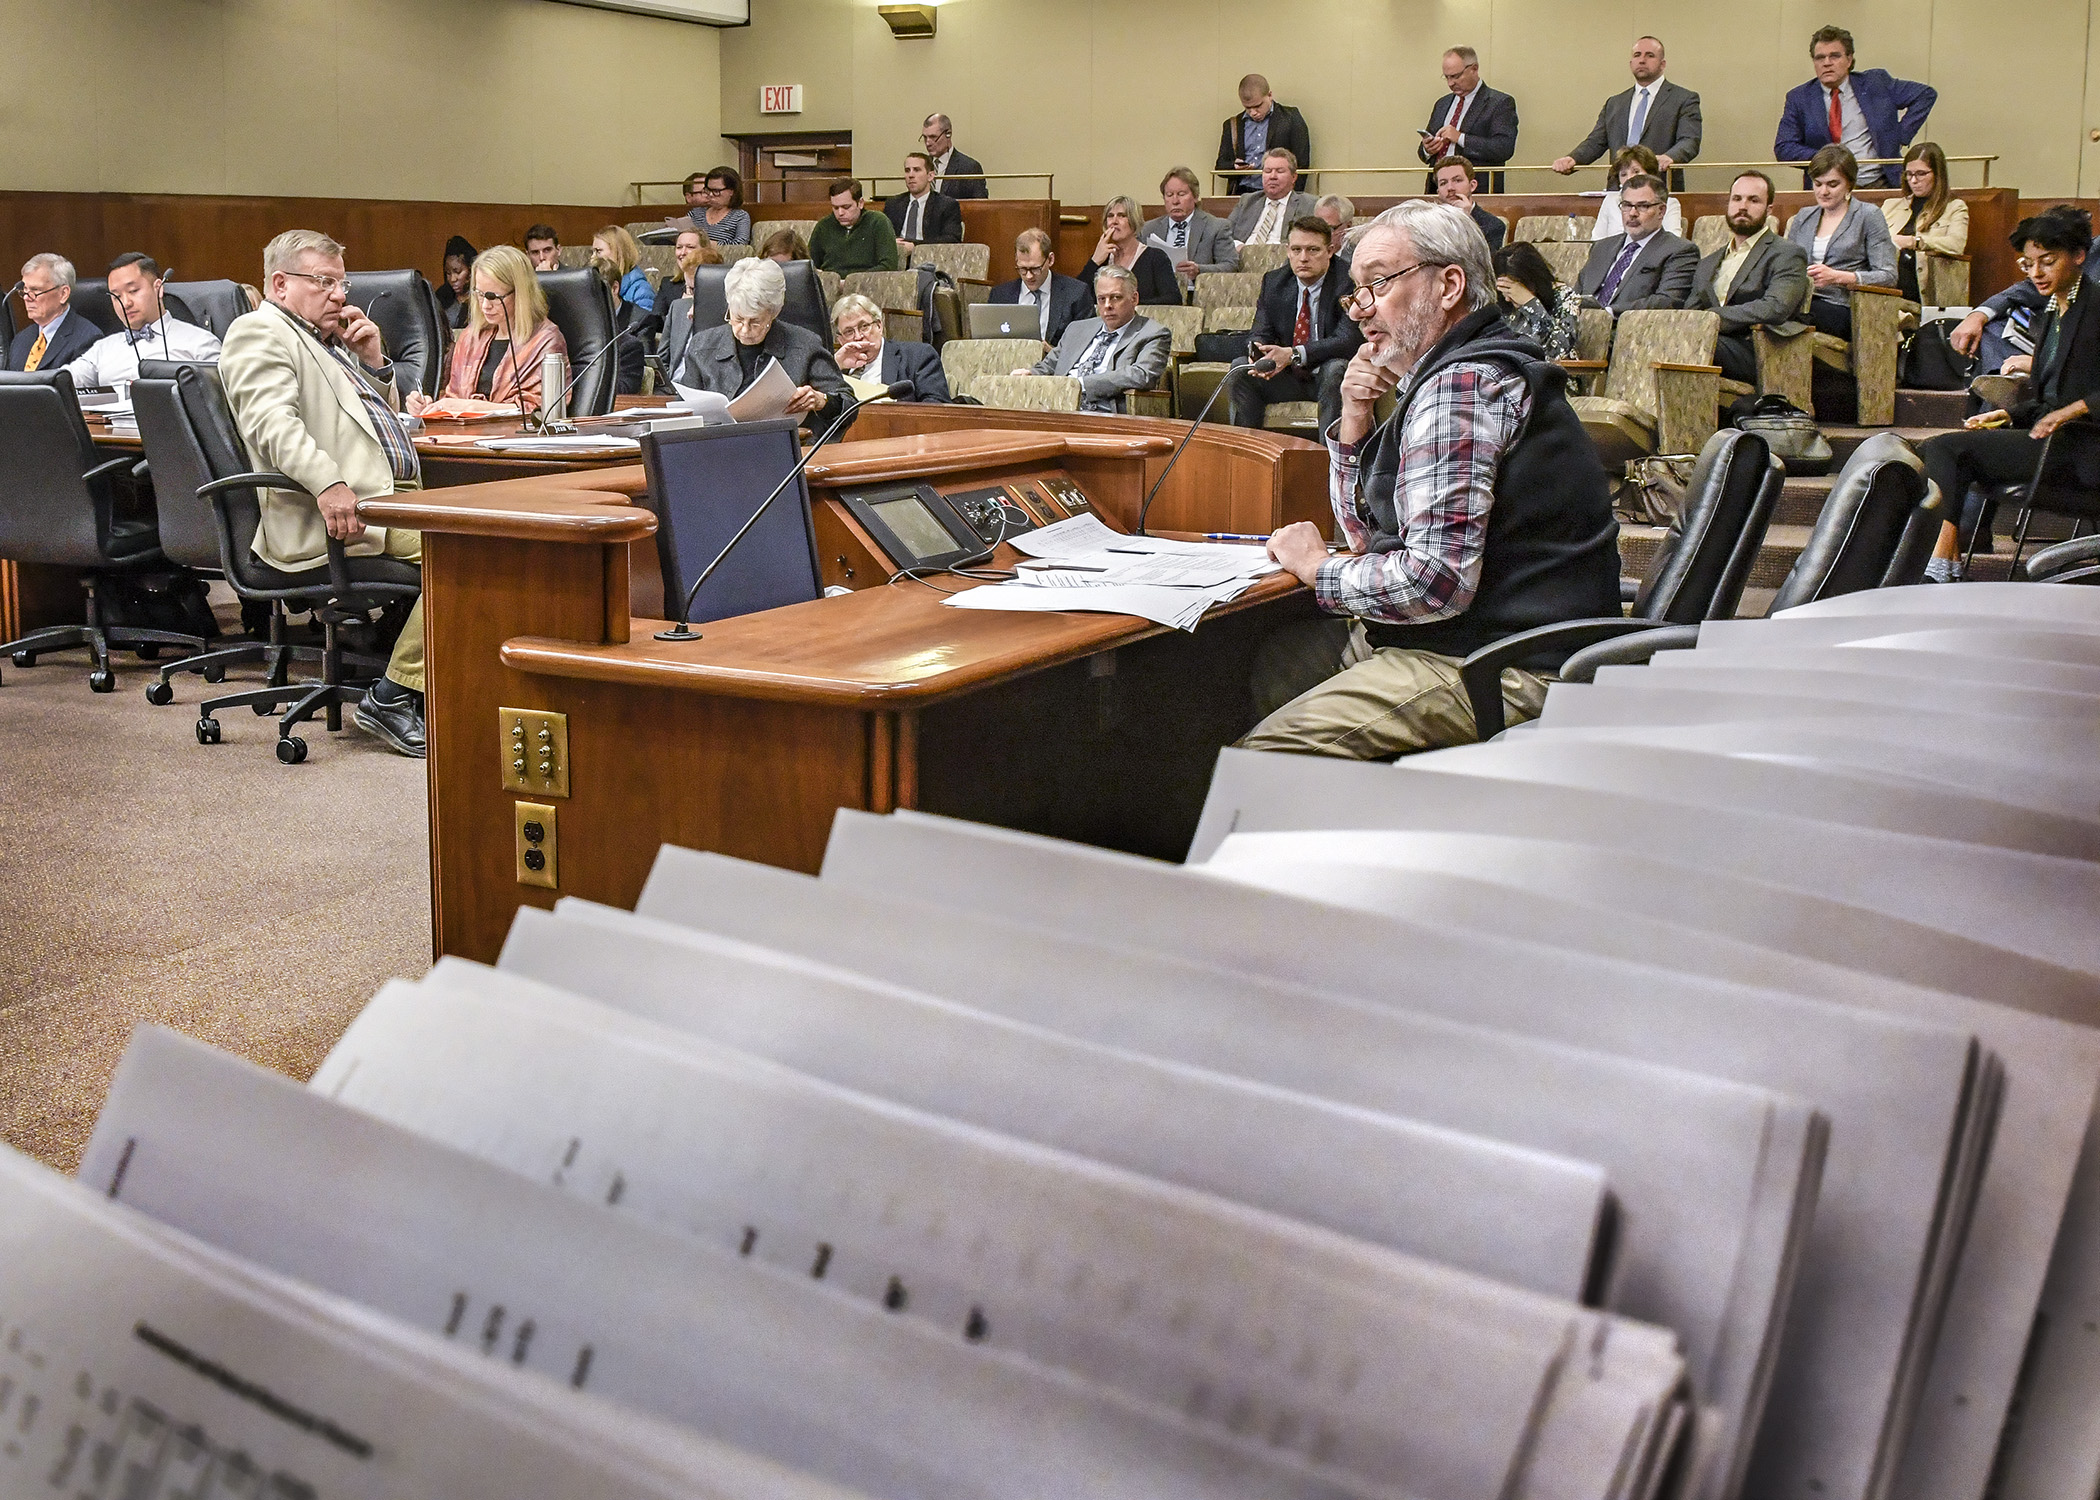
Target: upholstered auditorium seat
{"points": [[1660, 387], [1027, 392]]}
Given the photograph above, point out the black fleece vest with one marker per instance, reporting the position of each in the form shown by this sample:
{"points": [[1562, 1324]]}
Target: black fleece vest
{"points": [[1552, 551]]}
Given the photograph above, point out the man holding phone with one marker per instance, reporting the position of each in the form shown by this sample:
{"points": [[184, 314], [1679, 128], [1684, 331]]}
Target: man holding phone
{"points": [[1261, 125], [1471, 120]]}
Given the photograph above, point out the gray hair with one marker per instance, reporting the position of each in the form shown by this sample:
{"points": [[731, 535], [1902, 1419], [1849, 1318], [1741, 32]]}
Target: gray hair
{"points": [[757, 288], [56, 266], [947, 125], [1115, 273], [851, 302], [1130, 211], [1443, 234], [284, 252], [1464, 54], [1342, 206]]}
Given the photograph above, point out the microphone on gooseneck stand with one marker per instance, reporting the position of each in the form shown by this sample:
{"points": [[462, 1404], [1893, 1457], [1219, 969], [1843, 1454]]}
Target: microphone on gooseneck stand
{"points": [[683, 631], [532, 421], [591, 364], [1237, 367]]}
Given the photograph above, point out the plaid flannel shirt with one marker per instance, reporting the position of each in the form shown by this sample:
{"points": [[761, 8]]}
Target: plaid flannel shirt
{"points": [[1450, 449]]}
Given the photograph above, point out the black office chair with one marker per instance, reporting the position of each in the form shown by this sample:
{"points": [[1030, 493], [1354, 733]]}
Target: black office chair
{"points": [[7, 321], [208, 304], [2066, 482], [405, 307], [2075, 561], [62, 510], [91, 301], [346, 589], [1877, 530], [1699, 573], [804, 306], [582, 309]]}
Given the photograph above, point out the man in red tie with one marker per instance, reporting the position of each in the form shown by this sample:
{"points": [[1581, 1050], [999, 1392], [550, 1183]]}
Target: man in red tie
{"points": [[1869, 112], [1471, 120], [1300, 331]]}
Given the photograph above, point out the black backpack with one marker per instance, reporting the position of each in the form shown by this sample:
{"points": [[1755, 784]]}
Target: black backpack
{"points": [[1930, 363]]}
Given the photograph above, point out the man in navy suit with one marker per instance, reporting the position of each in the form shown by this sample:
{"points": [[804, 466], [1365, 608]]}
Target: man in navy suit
{"points": [[1057, 299], [1471, 120], [1869, 113], [919, 215], [938, 137], [1300, 326], [864, 354], [56, 335]]}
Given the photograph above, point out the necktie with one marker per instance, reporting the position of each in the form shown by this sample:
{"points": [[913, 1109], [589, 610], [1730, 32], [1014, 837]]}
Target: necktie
{"points": [[1090, 361], [1302, 333], [1181, 235], [1619, 269], [36, 354], [1457, 109], [1837, 120], [1263, 231], [911, 222], [1638, 120]]}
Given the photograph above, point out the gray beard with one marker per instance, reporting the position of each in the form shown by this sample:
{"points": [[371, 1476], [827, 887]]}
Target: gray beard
{"points": [[1419, 330]]}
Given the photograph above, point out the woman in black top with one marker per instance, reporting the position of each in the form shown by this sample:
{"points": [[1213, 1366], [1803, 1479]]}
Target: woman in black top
{"points": [[2002, 447], [1152, 266], [452, 290]]}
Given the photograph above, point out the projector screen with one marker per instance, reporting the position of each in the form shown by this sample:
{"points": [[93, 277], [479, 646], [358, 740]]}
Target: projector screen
{"points": [[706, 12]]}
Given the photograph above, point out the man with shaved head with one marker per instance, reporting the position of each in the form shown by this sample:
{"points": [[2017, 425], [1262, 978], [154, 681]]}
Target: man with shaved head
{"points": [[1261, 125], [1656, 113], [1477, 510]]}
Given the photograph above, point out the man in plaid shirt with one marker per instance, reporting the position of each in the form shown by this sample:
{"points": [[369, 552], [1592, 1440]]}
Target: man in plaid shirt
{"points": [[1480, 509]]}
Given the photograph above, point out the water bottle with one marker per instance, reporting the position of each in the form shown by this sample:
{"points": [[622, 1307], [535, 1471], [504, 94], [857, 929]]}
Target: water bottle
{"points": [[554, 380]]}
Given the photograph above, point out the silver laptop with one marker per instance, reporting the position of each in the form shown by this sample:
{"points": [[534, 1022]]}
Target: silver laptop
{"points": [[1005, 320]]}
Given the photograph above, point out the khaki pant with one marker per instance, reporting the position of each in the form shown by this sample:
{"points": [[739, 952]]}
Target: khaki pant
{"points": [[1323, 689], [405, 666]]}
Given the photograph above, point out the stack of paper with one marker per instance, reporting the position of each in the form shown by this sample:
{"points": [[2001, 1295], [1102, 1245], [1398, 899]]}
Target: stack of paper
{"points": [[1079, 564]]}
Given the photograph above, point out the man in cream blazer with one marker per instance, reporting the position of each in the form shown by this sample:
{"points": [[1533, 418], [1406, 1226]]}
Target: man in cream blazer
{"points": [[314, 398]]}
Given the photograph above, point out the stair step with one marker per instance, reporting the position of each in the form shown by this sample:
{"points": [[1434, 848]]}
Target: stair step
{"points": [[1801, 499], [1783, 544], [1844, 441]]}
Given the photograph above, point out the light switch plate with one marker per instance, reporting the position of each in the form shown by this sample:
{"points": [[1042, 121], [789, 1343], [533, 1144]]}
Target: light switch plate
{"points": [[535, 751], [535, 823]]}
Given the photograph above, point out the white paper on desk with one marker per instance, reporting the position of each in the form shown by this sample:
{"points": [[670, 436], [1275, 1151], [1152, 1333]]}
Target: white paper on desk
{"points": [[711, 406], [106, 1312], [580, 443], [746, 1354], [1178, 609], [765, 398], [1068, 538]]}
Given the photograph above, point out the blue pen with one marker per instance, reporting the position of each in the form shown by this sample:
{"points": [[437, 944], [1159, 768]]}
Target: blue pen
{"points": [[1232, 536]]}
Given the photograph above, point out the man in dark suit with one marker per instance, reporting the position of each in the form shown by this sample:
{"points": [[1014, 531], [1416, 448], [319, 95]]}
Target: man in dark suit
{"points": [[1757, 277], [56, 335], [864, 354], [1299, 324], [1471, 120], [1871, 113], [1261, 125], [937, 135], [919, 214], [1454, 184], [1655, 113], [1646, 266], [1058, 299]]}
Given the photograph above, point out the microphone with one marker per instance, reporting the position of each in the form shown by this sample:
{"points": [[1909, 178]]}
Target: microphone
{"points": [[683, 631], [1265, 366], [1237, 367], [532, 421], [586, 368]]}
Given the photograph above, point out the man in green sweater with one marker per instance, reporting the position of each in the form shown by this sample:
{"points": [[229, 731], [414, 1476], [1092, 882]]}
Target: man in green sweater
{"points": [[852, 239]]}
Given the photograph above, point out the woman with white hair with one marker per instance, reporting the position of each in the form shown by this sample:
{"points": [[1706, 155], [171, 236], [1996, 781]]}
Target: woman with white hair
{"points": [[729, 356], [866, 356]]}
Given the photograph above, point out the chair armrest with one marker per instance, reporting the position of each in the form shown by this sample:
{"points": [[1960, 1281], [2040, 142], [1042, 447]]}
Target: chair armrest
{"points": [[1630, 650], [2075, 561], [1687, 406], [140, 469], [1959, 255], [1481, 673], [257, 480], [109, 466], [1629, 590], [1664, 364], [1876, 291], [1583, 364]]}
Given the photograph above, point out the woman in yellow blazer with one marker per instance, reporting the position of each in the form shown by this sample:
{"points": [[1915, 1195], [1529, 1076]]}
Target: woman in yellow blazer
{"points": [[1926, 219], [508, 332]]}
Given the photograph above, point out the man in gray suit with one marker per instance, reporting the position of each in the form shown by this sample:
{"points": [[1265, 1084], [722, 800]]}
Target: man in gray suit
{"points": [[1265, 218], [1646, 266], [1655, 113], [1113, 354], [1193, 239], [1757, 277]]}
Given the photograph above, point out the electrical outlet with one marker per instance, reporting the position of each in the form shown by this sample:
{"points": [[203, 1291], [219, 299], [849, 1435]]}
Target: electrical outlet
{"points": [[535, 751], [536, 844]]}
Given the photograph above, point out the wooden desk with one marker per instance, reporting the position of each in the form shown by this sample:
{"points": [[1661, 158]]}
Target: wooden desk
{"points": [[1094, 727]]}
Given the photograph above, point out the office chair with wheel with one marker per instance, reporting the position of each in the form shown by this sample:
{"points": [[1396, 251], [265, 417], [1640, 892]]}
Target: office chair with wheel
{"points": [[2075, 561], [209, 304], [1877, 530], [345, 589], [62, 510], [405, 308], [582, 309], [1699, 573], [804, 307], [2066, 482]]}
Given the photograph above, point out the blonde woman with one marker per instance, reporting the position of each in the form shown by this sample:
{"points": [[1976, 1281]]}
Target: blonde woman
{"points": [[1120, 246], [1925, 218], [508, 332], [614, 247]]}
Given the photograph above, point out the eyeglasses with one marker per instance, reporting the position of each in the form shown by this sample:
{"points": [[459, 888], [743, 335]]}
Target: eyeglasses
{"points": [[928, 140], [1377, 284], [1635, 206], [2048, 260], [861, 330], [31, 294], [329, 285], [492, 296]]}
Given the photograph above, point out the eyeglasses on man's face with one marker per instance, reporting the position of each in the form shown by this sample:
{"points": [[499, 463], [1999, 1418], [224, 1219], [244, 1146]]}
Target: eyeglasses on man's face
{"points": [[1638, 205], [1376, 286], [37, 294], [329, 285], [864, 329]]}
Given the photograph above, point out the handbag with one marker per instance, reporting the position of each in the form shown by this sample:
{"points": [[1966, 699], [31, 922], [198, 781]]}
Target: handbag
{"points": [[1929, 362], [1223, 348], [1652, 493], [1788, 431]]}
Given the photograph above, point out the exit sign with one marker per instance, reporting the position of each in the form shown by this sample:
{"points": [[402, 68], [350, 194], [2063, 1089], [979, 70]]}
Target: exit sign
{"points": [[780, 99]]}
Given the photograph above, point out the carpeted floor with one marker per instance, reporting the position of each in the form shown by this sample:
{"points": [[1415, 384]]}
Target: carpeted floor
{"points": [[147, 878]]}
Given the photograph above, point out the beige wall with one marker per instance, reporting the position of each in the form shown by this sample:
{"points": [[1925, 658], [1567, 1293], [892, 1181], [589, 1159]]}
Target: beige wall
{"points": [[1109, 93], [497, 101]]}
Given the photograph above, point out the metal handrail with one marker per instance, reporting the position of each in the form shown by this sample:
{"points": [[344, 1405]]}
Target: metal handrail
{"points": [[1601, 165], [781, 181]]}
